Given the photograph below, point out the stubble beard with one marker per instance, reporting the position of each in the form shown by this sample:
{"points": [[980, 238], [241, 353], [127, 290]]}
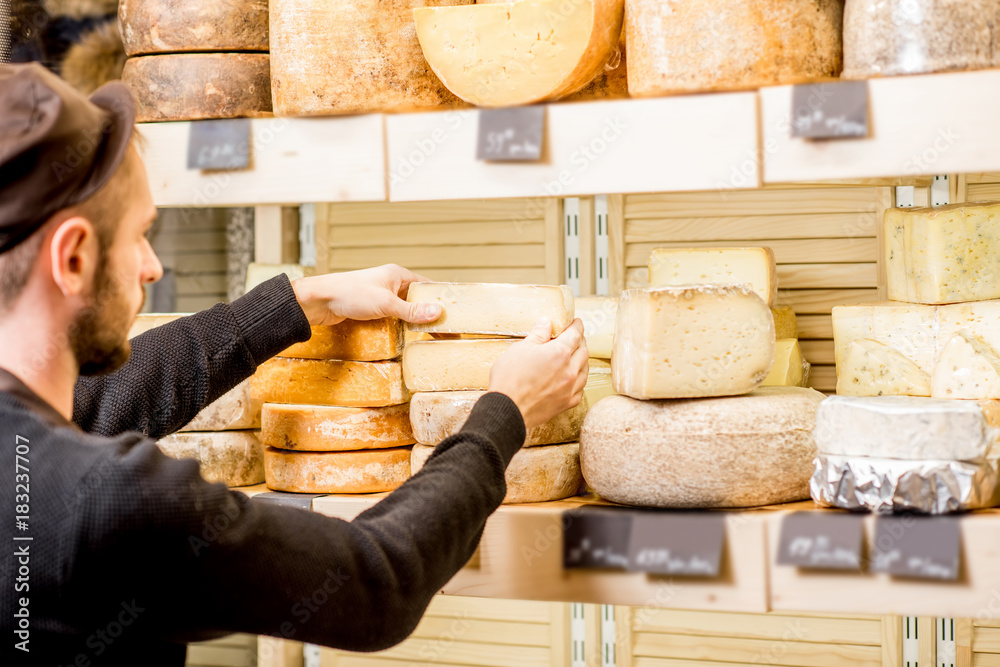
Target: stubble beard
{"points": [[99, 335]]}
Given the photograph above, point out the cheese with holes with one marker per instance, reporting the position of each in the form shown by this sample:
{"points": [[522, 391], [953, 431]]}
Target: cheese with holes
{"points": [[235, 458], [909, 329], [506, 54], [598, 315], [438, 415], [785, 324], [691, 341], [499, 309], [452, 365], [716, 266], [176, 26], [372, 471], [693, 45], [361, 56], [352, 340], [535, 475], [789, 369], [873, 369], [902, 427], [947, 254], [327, 428], [966, 368], [742, 451], [353, 384]]}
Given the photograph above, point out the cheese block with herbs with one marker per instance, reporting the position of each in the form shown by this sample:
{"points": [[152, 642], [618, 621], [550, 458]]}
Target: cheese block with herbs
{"points": [[452, 365], [355, 384], [669, 267], [873, 369], [966, 368], [181, 26], [499, 309], [235, 458], [372, 471], [352, 340], [327, 428]]}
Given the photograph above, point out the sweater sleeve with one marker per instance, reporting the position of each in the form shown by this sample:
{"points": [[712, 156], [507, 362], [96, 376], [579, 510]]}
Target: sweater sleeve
{"points": [[259, 568], [177, 369]]}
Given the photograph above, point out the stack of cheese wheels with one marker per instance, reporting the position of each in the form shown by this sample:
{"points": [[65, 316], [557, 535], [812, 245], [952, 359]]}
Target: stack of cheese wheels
{"points": [[449, 375], [224, 436], [692, 428], [196, 59], [336, 414]]}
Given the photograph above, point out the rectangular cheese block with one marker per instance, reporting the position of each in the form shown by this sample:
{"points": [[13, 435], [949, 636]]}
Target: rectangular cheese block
{"points": [[873, 369], [352, 340], [493, 308], [716, 266], [785, 324], [789, 369], [598, 315], [361, 384], [693, 341], [947, 254], [327, 428], [966, 368], [452, 365]]}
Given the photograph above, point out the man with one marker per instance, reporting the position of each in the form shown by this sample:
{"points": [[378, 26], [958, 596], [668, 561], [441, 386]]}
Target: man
{"points": [[117, 555]]}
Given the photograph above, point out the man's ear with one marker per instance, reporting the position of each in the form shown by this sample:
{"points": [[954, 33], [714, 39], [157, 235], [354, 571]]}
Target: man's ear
{"points": [[73, 253]]}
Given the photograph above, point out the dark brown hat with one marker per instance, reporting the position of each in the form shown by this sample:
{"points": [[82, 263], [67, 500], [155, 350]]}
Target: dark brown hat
{"points": [[57, 148]]}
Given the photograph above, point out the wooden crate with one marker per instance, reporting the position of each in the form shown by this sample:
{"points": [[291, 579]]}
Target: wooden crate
{"points": [[231, 651]]}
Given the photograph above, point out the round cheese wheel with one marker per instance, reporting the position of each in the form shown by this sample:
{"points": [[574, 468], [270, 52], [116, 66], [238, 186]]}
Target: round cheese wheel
{"points": [[320, 428], [235, 458], [352, 340], [535, 475], [891, 37], [352, 57], [179, 26], [357, 384], [196, 86], [372, 471], [693, 45], [740, 451]]}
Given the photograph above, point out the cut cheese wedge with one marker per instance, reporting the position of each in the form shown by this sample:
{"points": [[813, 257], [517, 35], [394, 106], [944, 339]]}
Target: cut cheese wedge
{"points": [[789, 369], [356, 384], [235, 458], [373, 471], [498, 309], [322, 428], [873, 369], [352, 340], [966, 368], [785, 324], [598, 314], [452, 365], [505, 54], [716, 266]]}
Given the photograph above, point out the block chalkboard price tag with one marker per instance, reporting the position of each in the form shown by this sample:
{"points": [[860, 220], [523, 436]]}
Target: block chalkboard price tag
{"points": [[596, 538], [677, 543], [301, 500], [822, 541], [219, 144], [832, 110], [919, 547], [511, 135]]}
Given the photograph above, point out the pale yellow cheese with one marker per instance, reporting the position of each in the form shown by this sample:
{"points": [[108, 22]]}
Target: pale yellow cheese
{"points": [[947, 254], [716, 266], [598, 315], [872, 369], [235, 458], [785, 324], [146, 321], [910, 329], [352, 340], [358, 384], [789, 369], [325, 428], [691, 341], [500, 309], [599, 364], [966, 368], [506, 54], [372, 471], [237, 409], [598, 386], [452, 365]]}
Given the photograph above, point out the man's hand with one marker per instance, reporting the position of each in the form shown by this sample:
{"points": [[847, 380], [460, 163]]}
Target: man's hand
{"points": [[543, 376], [369, 294]]}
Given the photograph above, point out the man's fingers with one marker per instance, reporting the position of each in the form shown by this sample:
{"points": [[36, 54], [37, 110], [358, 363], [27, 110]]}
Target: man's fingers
{"points": [[416, 313], [542, 331], [573, 336]]}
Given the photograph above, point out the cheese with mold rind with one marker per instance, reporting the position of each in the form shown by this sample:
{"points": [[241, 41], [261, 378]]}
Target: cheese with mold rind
{"points": [[499, 309], [235, 458], [716, 266], [327, 428], [371, 471], [452, 365], [352, 340], [355, 384]]}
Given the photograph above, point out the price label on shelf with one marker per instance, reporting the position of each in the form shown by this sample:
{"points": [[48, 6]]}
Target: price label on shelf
{"points": [[513, 134], [821, 540], [596, 538], [301, 500], [917, 546], [833, 110], [219, 144], [677, 543]]}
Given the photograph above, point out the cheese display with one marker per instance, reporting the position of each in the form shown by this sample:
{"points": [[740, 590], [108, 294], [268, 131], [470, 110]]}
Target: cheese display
{"points": [[452, 365], [372, 471], [506, 54], [499, 309], [324, 428], [438, 415], [901, 427], [176, 26], [196, 86], [598, 315], [691, 341], [356, 384], [966, 368], [789, 369], [743, 451], [872, 369], [237, 409], [352, 340], [669, 267], [693, 45], [946, 254], [535, 475], [893, 37], [235, 458], [785, 324], [351, 57], [611, 83]]}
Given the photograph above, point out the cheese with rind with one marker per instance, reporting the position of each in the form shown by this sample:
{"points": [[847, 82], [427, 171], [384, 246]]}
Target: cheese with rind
{"points": [[872, 369], [598, 386], [237, 409], [354, 384], [789, 369], [235, 458], [372, 471], [785, 324], [716, 266], [499, 309], [452, 365], [326, 428], [178, 26], [352, 340], [966, 368], [598, 314]]}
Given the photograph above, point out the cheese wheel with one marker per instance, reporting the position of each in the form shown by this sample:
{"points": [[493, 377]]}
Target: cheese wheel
{"points": [[352, 340], [235, 458], [196, 86], [598, 315], [692, 45], [611, 83], [892, 37], [372, 471], [178, 26], [756, 267], [535, 475], [237, 409], [452, 365], [355, 384], [352, 57], [438, 415], [742, 451], [323, 428]]}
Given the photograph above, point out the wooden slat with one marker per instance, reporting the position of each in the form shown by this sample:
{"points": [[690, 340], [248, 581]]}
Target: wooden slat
{"points": [[926, 641], [963, 642], [201, 283], [193, 304], [560, 635], [818, 351], [463, 653], [752, 227], [555, 243], [194, 241], [524, 276], [823, 378], [199, 263], [432, 211], [815, 326], [670, 662], [986, 623], [487, 632], [588, 240], [762, 626], [521, 611], [741, 202], [985, 660], [983, 177], [892, 641], [437, 234], [184, 220], [827, 276], [986, 640], [201, 655], [617, 248], [458, 256], [820, 302], [980, 192], [273, 652], [239, 640], [794, 251], [756, 651]]}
